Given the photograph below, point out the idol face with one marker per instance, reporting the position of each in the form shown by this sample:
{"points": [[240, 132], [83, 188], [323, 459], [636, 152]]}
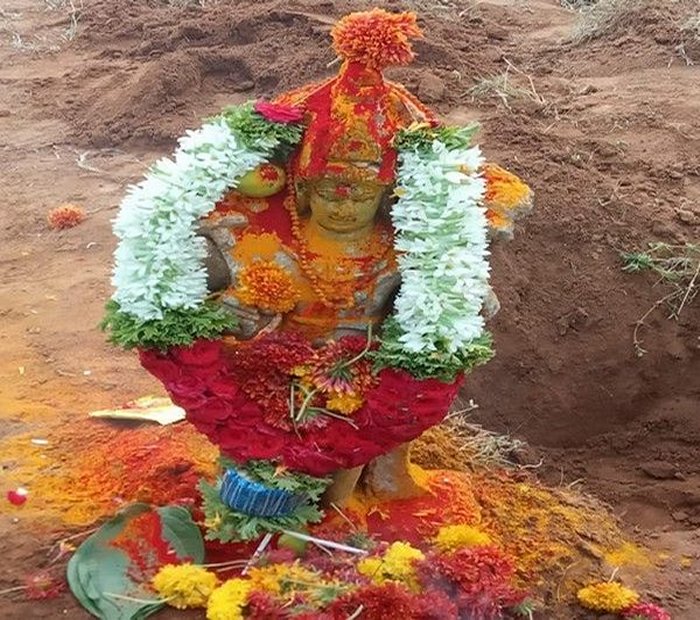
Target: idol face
{"points": [[344, 206]]}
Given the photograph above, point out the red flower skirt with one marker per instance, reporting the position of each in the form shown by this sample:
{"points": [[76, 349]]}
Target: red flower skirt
{"points": [[396, 410]]}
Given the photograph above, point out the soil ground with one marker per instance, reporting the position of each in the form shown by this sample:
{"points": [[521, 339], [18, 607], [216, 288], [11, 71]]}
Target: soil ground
{"points": [[605, 131]]}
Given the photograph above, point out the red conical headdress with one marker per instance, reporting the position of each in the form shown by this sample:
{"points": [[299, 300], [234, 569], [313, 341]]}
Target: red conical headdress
{"points": [[351, 119]]}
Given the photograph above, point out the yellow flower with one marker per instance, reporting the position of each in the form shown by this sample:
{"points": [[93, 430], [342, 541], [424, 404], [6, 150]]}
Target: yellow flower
{"points": [[397, 564], [453, 537], [266, 285], [227, 601], [609, 597], [275, 578], [184, 585], [344, 403], [214, 523]]}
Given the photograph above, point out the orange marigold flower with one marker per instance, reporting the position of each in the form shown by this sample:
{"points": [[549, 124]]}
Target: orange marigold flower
{"points": [[506, 194], [377, 38], [65, 216], [267, 286]]}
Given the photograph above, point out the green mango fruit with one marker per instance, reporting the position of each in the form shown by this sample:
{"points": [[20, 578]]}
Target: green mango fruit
{"points": [[292, 543], [263, 181]]}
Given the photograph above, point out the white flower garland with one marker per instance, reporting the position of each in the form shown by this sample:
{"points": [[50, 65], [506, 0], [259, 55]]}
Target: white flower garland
{"points": [[441, 232], [159, 259], [440, 223]]}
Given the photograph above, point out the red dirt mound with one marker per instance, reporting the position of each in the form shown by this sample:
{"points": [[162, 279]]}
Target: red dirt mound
{"points": [[607, 147], [155, 71]]}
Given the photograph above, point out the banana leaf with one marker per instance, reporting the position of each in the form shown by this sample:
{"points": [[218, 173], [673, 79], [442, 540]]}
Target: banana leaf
{"points": [[111, 571]]}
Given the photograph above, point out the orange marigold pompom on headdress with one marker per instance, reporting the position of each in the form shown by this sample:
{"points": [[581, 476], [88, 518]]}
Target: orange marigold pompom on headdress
{"points": [[351, 119]]}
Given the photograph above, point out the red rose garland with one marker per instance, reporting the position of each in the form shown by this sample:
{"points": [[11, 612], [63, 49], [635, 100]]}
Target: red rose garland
{"points": [[205, 381]]}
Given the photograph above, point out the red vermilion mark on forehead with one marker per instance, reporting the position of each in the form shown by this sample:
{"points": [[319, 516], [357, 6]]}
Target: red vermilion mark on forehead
{"points": [[342, 191], [269, 172]]}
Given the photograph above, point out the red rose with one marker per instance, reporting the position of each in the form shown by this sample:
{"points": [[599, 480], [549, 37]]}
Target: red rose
{"points": [[279, 112], [216, 408], [223, 386], [160, 367], [188, 392], [199, 353]]}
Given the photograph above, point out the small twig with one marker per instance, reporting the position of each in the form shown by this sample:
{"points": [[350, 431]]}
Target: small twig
{"points": [[535, 466], [362, 353], [343, 516], [137, 600], [325, 543], [688, 290], [356, 614], [640, 322], [337, 416], [257, 553], [231, 563]]}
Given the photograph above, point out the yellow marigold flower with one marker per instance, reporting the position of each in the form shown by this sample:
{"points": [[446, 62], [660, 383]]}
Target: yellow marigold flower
{"points": [[344, 403], [397, 564], [274, 577], [609, 597], [453, 537], [184, 585], [227, 601], [268, 286], [301, 371]]}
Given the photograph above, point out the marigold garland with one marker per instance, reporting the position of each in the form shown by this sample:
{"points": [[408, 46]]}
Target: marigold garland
{"points": [[507, 198], [609, 596], [184, 585], [266, 285]]}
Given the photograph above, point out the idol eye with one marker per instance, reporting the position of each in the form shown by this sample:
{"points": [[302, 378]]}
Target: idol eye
{"points": [[325, 191], [362, 193]]}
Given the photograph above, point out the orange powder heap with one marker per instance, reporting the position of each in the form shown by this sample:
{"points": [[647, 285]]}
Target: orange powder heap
{"points": [[89, 472]]}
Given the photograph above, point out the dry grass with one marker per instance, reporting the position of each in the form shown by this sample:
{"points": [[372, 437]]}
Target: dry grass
{"points": [[690, 39], [596, 20], [576, 4], [448, 9], [485, 448], [691, 27], [678, 268], [49, 39], [187, 4], [505, 88]]}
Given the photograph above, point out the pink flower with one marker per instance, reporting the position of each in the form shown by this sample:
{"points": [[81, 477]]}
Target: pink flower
{"points": [[646, 611], [279, 112]]}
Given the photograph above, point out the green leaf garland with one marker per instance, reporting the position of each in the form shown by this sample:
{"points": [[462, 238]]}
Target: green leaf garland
{"points": [[178, 327]]}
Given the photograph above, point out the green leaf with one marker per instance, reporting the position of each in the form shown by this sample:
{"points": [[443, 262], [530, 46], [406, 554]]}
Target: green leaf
{"points": [[439, 364], [182, 533], [100, 574], [227, 525], [254, 130], [267, 473], [178, 327], [421, 138]]}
